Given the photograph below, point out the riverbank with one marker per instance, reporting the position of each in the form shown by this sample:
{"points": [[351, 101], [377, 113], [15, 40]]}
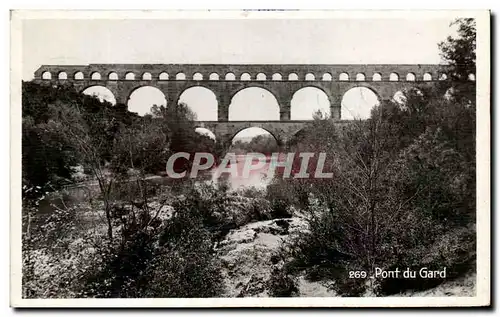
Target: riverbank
{"points": [[251, 258], [248, 249]]}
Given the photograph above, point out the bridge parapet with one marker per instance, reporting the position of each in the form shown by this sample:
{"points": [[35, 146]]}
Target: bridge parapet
{"points": [[281, 80], [256, 72]]}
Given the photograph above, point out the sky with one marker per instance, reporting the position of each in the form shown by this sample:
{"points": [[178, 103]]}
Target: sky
{"points": [[232, 41]]}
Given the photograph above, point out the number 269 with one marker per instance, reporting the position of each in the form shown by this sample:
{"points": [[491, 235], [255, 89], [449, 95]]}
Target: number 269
{"points": [[357, 274]]}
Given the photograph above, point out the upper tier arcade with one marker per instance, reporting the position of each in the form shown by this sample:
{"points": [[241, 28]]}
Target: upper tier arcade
{"points": [[225, 80]]}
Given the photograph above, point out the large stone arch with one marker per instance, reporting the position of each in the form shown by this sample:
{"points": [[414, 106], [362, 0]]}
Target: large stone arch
{"points": [[321, 86], [239, 89], [131, 89], [177, 97], [380, 95], [385, 90], [273, 92], [196, 108], [327, 92], [275, 134], [136, 87], [365, 86]]}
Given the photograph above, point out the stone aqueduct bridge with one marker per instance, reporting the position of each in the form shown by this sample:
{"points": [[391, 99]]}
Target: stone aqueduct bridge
{"points": [[282, 80]]}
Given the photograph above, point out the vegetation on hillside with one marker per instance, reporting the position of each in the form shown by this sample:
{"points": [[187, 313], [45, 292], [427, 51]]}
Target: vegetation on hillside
{"points": [[403, 193], [262, 143]]}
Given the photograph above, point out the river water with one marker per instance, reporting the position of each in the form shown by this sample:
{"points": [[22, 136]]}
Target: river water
{"points": [[256, 178]]}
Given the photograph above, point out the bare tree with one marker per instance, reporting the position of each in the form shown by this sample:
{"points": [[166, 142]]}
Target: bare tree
{"points": [[90, 146]]}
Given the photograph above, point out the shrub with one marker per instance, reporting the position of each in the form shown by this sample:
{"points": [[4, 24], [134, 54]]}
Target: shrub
{"points": [[454, 250], [173, 258], [185, 264], [282, 284], [287, 192], [394, 203], [120, 271]]}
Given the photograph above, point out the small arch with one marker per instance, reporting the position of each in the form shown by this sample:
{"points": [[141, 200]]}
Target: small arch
{"points": [[393, 77], [100, 92], [310, 76], [443, 76], [230, 76], [205, 132], [62, 76], [146, 76], [344, 77], [130, 76], [471, 77], [245, 76], [46, 75], [163, 76], [246, 134], [327, 77], [180, 76], [197, 76], [213, 76], [410, 77], [377, 77], [293, 76], [113, 76], [277, 76], [360, 77], [427, 77], [261, 76], [78, 76], [95, 76]]}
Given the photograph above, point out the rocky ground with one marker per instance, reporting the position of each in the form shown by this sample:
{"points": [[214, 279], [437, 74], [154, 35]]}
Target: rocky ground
{"points": [[463, 287], [249, 252], [248, 257]]}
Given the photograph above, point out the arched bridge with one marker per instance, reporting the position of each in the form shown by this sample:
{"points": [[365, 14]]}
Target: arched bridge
{"points": [[282, 80], [282, 131]]}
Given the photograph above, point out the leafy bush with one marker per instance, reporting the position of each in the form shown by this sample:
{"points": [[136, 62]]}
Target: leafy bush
{"points": [[173, 258], [282, 284], [185, 264], [119, 272], [393, 200], [454, 250], [48, 152]]}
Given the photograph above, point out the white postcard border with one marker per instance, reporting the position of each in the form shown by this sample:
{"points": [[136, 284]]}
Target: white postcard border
{"points": [[483, 296]]}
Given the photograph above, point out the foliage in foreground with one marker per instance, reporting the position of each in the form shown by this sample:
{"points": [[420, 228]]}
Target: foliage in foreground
{"points": [[158, 249], [402, 196], [403, 191], [155, 253]]}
